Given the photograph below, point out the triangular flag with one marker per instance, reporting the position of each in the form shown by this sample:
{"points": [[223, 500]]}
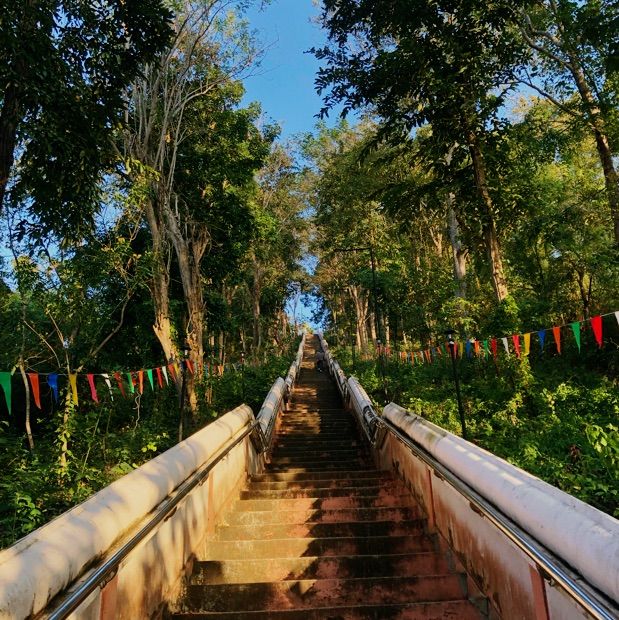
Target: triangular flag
{"points": [[93, 389], [505, 346], [527, 343], [541, 334], [149, 374], [477, 345], [576, 329], [556, 332], [73, 382], [617, 316], [467, 348], [159, 377], [164, 370], [493, 345], [172, 370], [596, 324], [486, 349], [5, 382], [52, 381], [106, 378], [131, 384], [141, 381], [34, 384], [462, 349], [120, 383], [516, 341]]}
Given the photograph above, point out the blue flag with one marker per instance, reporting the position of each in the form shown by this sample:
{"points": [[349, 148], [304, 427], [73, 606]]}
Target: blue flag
{"points": [[542, 336], [52, 381]]}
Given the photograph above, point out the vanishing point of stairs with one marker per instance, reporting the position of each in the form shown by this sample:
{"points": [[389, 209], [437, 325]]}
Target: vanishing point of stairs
{"points": [[323, 534]]}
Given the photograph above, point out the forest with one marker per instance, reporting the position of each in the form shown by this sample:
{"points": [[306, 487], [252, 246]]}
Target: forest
{"points": [[158, 235]]}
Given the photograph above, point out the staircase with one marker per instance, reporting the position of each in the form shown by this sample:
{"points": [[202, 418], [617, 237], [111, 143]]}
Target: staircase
{"points": [[323, 534]]}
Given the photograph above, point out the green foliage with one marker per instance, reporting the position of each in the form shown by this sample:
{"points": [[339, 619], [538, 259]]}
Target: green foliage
{"points": [[555, 418]]}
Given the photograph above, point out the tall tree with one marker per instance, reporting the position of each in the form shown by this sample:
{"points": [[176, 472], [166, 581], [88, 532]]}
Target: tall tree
{"points": [[65, 67], [573, 44], [427, 62]]}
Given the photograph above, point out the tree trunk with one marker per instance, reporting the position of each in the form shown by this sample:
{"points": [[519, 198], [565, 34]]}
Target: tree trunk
{"points": [[491, 240], [160, 285], [611, 179], [458, 252], [361, 312]]}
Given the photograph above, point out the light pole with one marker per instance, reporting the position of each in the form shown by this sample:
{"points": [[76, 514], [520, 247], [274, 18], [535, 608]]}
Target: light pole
{"points": [[452, 349]]}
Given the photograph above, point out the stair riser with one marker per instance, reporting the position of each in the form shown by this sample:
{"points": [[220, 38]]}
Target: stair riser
{"points": [[265, 517], [444, 610], [322, 475], [326, 503], [343, 567], [323, 593], [374, 491], [295, 547], [288, 485], [319, 530]]}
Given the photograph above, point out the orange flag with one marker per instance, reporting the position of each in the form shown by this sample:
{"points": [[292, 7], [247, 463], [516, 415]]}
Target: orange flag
{"points": [[141, 381], [34, 384], [556, 332]]}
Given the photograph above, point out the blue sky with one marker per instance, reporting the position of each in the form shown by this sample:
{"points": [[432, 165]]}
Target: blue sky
{"points": [[284, 85]]}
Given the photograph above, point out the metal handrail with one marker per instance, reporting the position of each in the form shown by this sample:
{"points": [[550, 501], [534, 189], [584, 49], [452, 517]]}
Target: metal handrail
{"points": [[108, 569], [591, 603]]}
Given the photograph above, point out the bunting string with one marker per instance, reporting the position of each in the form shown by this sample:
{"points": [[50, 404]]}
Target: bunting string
{"points": [[133, 382], [518, 344]]}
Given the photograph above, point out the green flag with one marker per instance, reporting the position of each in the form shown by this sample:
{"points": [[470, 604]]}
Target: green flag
{"points": [[149, 372], [576, 330], [5, 382], [131, 386]]}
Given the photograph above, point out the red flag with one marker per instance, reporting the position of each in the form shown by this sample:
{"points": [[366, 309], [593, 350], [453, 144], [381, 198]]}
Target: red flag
{"points": [[596, 324], [516, 341], [120, 383], [34, 384], [93, 389], [190, 366], [159, 377], [493, 346], [172, 371], [556, 332], [141, 381]]}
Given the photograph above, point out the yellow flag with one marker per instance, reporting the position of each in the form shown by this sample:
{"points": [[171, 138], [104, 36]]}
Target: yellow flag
{"points": [[73, 382], [527, 343]]}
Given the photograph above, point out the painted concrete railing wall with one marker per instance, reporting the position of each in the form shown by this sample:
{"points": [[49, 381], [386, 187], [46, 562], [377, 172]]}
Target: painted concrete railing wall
{"points": [[584, 540], [58, 555]]}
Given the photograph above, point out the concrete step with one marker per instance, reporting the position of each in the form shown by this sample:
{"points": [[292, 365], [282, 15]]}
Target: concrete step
{"points": [[336, 567], [316, 593], [322, 475], [316, 455], [320, 530], [284, 463], [327, 503], [382, 490], [357, 481], [263, 517], [291, 547], [444, 610]]}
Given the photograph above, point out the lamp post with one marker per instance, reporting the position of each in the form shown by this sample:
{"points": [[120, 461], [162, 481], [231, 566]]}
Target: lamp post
{"points": [[452, 349]]}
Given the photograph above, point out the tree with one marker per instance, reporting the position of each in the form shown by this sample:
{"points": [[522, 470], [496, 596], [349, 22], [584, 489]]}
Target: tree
{"points": [[572, 46], [65, 69], [430, 62]]}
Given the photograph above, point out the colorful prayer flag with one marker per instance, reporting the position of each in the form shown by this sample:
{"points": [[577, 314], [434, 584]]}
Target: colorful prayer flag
{"points": [[93, 389], [5, 382], [596, 324], [576, 329], [34, 384]]}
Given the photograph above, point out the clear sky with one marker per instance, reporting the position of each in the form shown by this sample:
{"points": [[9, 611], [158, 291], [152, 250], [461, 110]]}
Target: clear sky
{"points": [[284, 85]]}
